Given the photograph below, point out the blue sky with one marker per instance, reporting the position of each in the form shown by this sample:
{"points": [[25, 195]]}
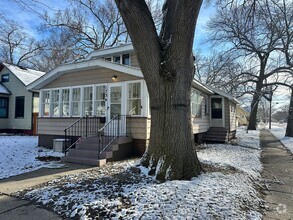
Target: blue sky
{"points": [[30, 21]]}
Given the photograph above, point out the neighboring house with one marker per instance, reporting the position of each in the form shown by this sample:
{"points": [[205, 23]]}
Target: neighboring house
{"points": [[17, 105], [242, 116], [110, 82]]}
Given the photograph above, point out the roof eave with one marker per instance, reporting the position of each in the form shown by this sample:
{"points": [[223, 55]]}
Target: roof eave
{"points": [[84, 65]]}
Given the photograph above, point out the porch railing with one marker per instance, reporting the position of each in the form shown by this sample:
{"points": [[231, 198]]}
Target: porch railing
{"points": [[90, 126], [112, 130], [86, 126]]}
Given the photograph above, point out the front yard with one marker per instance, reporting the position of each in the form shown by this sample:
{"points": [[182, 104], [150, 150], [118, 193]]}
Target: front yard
{"points": [[19, 153], [227, 190]]}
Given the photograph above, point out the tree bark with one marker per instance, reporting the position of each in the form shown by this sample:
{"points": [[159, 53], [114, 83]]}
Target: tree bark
{"points": [[289, 129], [166, 62], [257, 93]]}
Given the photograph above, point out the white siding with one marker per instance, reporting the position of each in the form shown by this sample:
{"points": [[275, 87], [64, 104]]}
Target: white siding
{"points": [[17, 89]]}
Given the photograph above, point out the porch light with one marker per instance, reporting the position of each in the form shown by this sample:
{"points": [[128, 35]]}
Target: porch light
{"points": [[114, 77]]}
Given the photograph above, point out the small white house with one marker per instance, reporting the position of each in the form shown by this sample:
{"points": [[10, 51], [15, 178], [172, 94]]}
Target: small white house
{"points": [[18, 106]]}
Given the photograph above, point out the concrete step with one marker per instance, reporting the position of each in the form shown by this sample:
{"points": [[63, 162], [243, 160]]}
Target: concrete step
{"points": [[78, 160], [106, 155], [216, 134], [83, 153]]}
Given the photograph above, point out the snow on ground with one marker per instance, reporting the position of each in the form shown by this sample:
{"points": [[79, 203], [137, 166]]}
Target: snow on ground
{"points": [[119, 191], [18, 155], [279, 131]]}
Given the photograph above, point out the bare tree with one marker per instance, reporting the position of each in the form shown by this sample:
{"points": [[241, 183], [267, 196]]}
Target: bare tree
{"points": [[218, 70], [16, 46], [257, 42], [166, 61]]}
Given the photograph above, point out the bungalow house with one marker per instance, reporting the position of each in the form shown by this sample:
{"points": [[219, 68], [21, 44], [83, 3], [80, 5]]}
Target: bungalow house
{"points": [[81, 100], [18, 106]]}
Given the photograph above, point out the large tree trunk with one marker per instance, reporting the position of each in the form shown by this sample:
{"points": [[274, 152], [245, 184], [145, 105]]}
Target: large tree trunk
{"points": [[171, 153], [253, 113], [166, 62], [289, 129], [257, 94]]}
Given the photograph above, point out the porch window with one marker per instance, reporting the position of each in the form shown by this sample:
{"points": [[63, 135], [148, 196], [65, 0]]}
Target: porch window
{"points": [[196, 104], [134, 99], [65, 102], [75, 104], [88, 101], [4, 107], [100, 101], [46, 103], [55, 106]]}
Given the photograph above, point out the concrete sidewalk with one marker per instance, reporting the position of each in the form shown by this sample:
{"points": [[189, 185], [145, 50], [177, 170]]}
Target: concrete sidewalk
{"points": [[18, 209], [277, 175]]}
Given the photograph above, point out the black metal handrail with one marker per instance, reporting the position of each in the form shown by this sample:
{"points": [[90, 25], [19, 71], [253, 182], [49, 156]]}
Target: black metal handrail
{"points": [[111, 131], [86, 126]]}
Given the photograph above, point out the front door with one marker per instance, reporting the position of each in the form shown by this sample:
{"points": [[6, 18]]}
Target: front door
{"points": [[116, 105], [217, 112]]}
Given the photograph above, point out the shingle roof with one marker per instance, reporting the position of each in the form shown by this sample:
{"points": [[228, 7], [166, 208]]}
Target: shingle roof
{"points": [[25, 75]]}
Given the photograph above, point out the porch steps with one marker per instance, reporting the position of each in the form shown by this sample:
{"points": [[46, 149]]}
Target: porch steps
{"points": [[86, 151], [216, 135]]}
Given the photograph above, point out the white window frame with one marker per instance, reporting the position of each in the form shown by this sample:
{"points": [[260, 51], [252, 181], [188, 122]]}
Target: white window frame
{"points": [[142, 98], [80, 101], [95, 99], [42, 107], [69, 102], [83, 100], [200, 104]]}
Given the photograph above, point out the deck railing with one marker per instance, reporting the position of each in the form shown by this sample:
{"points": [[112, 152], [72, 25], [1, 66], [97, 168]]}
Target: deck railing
{"points": [[86, 126]]}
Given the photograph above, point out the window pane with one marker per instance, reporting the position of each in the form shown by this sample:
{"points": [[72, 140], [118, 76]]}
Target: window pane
{"points": [[100, 100], [46, 103], [76, 94], [134, 99], [5, 77], [117, 59], [216, 107], [4, 107], [76, 101], [55, 103], [134, 90], [19, 107], [134, 107], [76, 109], [65, 102], [196, 103], [125, 59], [88, 101]]}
